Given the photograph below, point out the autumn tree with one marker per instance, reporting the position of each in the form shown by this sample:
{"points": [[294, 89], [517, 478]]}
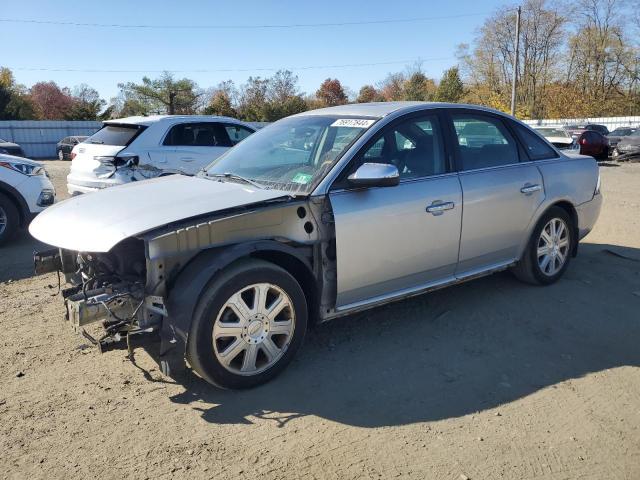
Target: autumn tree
{"points": [[488, 66], [451, 88], [391, 88], [331, 93], [418, 87], [51, 102], [602, 61], [15, 103], [368, 93], [86, 103], [163, 95]]}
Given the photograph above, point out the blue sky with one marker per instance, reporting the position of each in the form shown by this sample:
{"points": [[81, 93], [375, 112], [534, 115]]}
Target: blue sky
{"points": [[29, 45]]}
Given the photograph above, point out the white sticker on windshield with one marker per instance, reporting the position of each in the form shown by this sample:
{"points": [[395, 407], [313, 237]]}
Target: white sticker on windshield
{"points": [[353, 122]]}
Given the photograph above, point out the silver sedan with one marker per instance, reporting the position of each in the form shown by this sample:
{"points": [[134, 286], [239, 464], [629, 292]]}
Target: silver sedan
{"points": [[317, 216]]}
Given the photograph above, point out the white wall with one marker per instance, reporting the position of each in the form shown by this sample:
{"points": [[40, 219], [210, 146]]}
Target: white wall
{"points": [[610, 122]]}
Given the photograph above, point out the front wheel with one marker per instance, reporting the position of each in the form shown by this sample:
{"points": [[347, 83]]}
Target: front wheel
{"points": [[9, 219], [248, 325], [60, 155], [549, 250]]}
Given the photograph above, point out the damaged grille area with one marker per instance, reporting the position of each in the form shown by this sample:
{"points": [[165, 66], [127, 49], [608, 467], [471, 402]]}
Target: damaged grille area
{"points": [[106, 287]]}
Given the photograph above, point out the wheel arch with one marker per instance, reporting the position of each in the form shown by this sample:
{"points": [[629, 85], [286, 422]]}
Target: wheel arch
{"points": [[566, 205], [186, 287], [21, 205]]}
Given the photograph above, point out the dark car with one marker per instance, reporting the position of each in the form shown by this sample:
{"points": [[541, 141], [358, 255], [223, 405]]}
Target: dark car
{"points": [[594, 144], [579, 129], [617, 135], [629, 146], [64, 146], [10, 148]]}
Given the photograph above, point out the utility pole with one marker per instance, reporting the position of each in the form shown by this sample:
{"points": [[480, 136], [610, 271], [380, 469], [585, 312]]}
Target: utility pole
{"points": [[516, 57]]}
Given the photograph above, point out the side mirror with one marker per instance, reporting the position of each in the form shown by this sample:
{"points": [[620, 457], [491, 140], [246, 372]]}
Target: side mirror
{"points": [[375, 175]]}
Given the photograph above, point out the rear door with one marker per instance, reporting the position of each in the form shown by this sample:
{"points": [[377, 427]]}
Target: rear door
{"points": [[501, 190], [390, 240], [194, 145]]}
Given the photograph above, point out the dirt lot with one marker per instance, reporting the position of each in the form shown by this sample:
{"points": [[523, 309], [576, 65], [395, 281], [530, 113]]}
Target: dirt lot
{"points": [[490, 379]]}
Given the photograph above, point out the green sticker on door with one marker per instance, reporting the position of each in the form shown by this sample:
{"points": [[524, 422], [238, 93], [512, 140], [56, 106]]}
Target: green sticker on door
{"points": [[302, 178]]}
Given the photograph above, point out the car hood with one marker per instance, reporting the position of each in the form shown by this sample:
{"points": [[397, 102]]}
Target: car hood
{"points": [[630, 140], [9, 144], [13, 158], [96, 222]]}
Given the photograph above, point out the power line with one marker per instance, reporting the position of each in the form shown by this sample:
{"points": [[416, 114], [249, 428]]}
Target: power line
{"points": [[235, 27], [232, 70]]}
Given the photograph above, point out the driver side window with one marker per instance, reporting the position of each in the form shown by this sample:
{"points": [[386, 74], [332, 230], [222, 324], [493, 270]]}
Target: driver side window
{"points": [[414, 146]]}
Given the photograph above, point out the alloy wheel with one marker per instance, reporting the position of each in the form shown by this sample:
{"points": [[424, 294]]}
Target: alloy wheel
{"points": [[553, 246], [253, 329]]}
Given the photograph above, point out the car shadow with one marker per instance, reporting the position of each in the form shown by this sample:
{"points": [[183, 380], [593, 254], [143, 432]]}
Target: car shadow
{"points": [[16, 257], [450, 353]]}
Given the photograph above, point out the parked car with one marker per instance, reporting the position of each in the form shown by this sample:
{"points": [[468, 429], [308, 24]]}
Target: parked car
{"points": [[577, 130], [138, 148], [617, 135], [64, 146], [25, 190], [314, 217], [558, 136], [629, 146], [10, 148], [594, 144]]}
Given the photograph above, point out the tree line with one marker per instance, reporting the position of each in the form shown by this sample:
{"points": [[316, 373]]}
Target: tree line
{"points": [[576, 60]]}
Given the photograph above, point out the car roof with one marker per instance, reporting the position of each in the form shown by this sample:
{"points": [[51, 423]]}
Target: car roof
{"points": [[382, 109], [151, 119]]}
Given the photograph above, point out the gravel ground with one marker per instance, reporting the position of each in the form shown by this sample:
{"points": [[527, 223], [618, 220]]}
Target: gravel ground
{"points": [[490, 379]]}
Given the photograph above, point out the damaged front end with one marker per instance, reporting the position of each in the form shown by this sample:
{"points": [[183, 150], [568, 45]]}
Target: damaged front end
{"points": [[105, 287]]}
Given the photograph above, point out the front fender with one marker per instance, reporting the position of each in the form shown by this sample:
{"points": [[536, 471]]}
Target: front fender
{"points": [[185, 289]]}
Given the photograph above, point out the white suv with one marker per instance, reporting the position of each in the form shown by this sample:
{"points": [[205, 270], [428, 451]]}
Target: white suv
{"points": [[137, 148], [25, 190]]}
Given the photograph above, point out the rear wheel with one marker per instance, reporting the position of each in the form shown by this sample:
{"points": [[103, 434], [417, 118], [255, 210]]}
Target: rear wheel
{"points": [[248, 325], [9, 219], [549, 250]]}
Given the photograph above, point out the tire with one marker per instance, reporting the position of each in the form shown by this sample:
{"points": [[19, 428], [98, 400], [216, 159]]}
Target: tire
{"points": [[9, 219], [60, 155], [243, 354], [532, 268]]}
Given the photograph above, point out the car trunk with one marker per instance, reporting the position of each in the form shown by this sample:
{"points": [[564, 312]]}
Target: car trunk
{"points": [[95, 157]]}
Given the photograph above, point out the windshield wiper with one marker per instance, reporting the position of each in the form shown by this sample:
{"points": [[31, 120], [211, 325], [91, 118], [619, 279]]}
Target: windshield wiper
{"points": [[99, 142], [233, 176]]}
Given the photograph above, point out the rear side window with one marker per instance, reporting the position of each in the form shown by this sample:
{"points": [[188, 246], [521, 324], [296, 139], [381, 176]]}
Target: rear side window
{"points": [[237, 133], [120, 135], [536, 148], [198, 135], [483, 142]]}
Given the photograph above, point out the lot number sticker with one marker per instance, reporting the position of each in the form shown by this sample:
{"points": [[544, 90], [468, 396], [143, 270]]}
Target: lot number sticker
{"points": [[353, 122]]}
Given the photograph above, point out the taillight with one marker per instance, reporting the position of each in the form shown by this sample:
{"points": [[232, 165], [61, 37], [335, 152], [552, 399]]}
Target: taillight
{"points": [[73, 155], [583, 141]]}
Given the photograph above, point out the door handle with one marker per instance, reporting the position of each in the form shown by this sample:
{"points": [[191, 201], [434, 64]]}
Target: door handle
{"points": [[438, 207], [187, 159], [528, 189]]}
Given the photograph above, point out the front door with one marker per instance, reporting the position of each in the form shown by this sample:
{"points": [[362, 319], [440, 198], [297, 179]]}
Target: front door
{"points": [[401, 238]]}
